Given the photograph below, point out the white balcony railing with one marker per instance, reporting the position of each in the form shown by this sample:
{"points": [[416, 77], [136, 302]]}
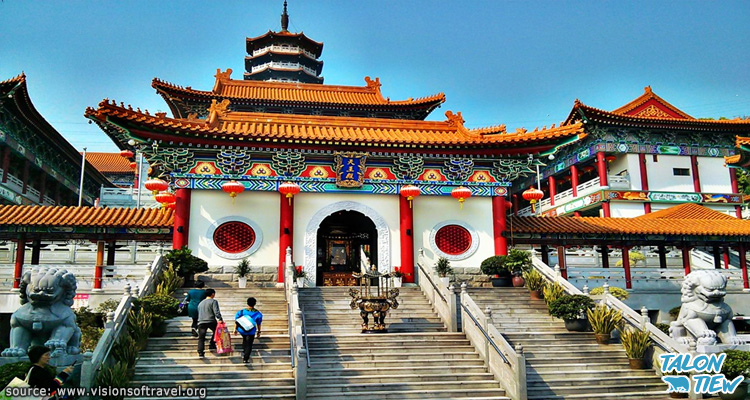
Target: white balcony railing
{"points": [[30, 191], [283, 65], [283, 49]]}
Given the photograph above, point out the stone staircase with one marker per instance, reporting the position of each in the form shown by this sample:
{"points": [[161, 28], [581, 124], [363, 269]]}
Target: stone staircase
{"points": [[562, 364], [417, 358], [172, 360]]}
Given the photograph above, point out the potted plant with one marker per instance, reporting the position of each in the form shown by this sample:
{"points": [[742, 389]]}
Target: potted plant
{"points": [[619, 293], [518, 262], [572, 309], [495, 267], [737, 363], [186, 264], [299, 275], [443, 269], [242, 270], [397, 276], [636, 342], [162, 307], [552, 292], [535, 283], [603, 321]]}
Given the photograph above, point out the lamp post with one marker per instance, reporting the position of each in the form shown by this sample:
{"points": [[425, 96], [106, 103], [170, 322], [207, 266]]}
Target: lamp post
{"points": [[138, 171], [83, 171]]}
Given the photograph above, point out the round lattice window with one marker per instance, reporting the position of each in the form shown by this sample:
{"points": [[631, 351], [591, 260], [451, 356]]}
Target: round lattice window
{"points": [[453, 239], [234, 237]]}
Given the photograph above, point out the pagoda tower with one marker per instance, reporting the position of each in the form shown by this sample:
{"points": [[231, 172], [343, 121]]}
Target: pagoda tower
{"points": [[284, 56]]}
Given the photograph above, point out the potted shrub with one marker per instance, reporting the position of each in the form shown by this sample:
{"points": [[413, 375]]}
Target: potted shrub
{"points": [[518, 262], [572, 309], [397, 276], [186, 264], [636, 342], [619, 293], [552, 292], [495, 267], [535, 283], [737, 363], [299, 275], [635, 257], [162, 307], [242, 270], [603, 321], [443, 269]]}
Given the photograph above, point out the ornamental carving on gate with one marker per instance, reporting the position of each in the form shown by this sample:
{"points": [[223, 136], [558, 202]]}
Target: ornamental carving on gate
{"points": [[458, 169], [233, 162], [408, 167], [288, 163], [177, 160], [512, 169]]}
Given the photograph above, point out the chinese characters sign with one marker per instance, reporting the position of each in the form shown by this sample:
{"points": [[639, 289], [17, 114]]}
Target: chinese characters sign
{"points": [[350, 169]]}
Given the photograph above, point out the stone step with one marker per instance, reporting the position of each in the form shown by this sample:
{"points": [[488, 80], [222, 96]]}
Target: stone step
{"points": [[403, 345], [561, 336], [320, 379], [191, 358], [476, 394], [341, 388], [537, 383], [366, 370], [572, 358], [321, 357], [211, 372], [223, 392], [535, 354], [604, 396], [554, 369], [583, 374], [616, 387], [432, 348], [395, 327], [258, 380], [394, 362]]}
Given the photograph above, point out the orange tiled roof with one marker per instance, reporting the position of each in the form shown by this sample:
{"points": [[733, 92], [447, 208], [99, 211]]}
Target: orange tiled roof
{"points": [[247, 126], [666, 225], [742, 141], [86, 216], [632, 108], [234, 89], [687, 211], [109, 162]]}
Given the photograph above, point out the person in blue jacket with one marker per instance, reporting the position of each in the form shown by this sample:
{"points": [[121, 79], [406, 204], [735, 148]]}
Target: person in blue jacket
{"points": [[194, 297], [248, 335]]}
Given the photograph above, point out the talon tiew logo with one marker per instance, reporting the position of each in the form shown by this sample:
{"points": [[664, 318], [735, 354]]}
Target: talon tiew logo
{"points": [[710, 379]]}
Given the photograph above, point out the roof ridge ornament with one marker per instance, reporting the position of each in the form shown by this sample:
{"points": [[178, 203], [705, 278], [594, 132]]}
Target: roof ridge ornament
{"points": [[285, 20], [455, 119], [223, 76], [217, 110]]}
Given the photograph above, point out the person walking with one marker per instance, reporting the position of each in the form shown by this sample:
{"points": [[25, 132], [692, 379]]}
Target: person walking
{"points": [[194, 297], [208, 317], [247, 323]]}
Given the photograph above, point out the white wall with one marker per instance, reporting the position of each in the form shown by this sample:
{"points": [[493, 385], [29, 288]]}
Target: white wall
{"points": [[626, 210], [477, 213], [311, 207], [661, 175], [634, 169], [714, 175], [207, 206]]}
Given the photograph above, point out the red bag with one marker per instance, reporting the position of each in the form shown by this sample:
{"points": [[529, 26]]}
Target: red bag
{"points": [[223, 339]]}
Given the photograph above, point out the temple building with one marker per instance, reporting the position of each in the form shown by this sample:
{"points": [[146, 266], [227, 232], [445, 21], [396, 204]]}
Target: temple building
{"points": [[118, 169], [39, 167], [644, 156]]}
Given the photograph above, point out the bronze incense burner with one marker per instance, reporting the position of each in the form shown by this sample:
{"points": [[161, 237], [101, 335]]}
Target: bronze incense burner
{"points": [[376, 297]]}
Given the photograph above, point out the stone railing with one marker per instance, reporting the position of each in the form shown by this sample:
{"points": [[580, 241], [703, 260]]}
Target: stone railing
{"points": [[651, 277], [441, 295], [115, 322], [114, 277], [80, 252], [300, 357], [506, 363]]}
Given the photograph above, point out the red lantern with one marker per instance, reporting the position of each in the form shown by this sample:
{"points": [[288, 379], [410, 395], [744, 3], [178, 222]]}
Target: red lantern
{"points": [[461, 193], [410, 192], [233, 188], [126, 154], [133, 164], [165, 198], [588, 168], [533, 195], [289, 189], [171, 205], [156, 185], [610, 158]]}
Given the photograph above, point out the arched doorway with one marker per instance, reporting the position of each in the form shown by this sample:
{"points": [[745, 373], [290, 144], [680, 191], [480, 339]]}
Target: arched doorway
{"points": [[346, 244]]}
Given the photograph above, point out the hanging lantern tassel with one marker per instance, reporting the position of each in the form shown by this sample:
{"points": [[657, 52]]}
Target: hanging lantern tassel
{"points": [[461, 193], [410, 192], [156, 185], [165, 198], [233, 188], [533, 196], [289, 189]]}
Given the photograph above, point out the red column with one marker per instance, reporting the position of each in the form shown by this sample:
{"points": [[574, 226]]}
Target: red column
{"points": [[626, 266], [601, 167], [18, 271], [406, 221], [286, 231], [499, 223], [181, 218], [552, 190], [574, 179], [561, 262], [644, 179], [696, 176], [726, 257], [686, 259], [735, 189], [605, 256], [515, 204], [99, 265], [743, 266], [605, 207]]}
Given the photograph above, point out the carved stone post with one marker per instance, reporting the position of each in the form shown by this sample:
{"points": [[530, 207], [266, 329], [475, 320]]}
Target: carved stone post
{"points": [[487, 323], [453, 321]]}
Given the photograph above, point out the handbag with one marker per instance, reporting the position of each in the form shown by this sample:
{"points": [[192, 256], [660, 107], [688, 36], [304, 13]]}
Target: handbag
{"points": [[223, 339], [246, 322], [182, 307], [18, 383]]}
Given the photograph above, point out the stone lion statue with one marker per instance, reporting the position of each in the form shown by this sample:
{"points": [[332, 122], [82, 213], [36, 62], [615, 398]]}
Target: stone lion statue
{"points": [[704, 315], [45, 317]]}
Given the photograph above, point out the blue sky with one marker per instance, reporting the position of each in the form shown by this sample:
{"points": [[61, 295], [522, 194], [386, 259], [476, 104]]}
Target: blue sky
{"points": [[519, 63]]}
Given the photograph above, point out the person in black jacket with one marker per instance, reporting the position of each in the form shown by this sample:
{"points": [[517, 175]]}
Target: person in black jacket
{"points": [[39, 376]]}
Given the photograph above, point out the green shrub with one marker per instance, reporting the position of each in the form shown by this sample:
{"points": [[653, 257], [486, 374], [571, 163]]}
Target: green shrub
{"points": [[603, 319], [242, 269], [169, 282], [635, 341], [140, 324], [160, 305], [552, 292], [90, 336], [109, 305], [570, 307], [113, 376], [86, 317], [534, 280], [675, 312], [17, 370], [185, 263], [635, 258], [663, 327], [494, 265], [443, 267], [737, 363], [619, 293], [126, 351], [518, 261]]}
